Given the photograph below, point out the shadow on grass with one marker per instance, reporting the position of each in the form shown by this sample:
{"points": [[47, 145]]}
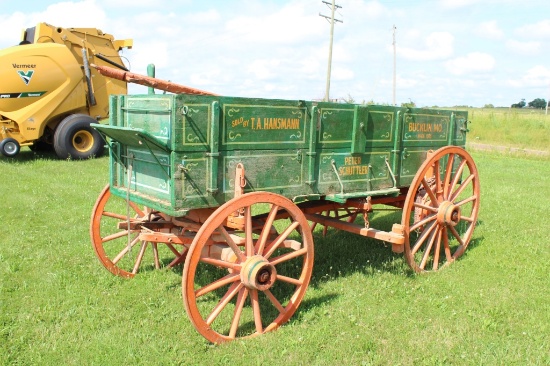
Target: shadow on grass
{"points": [[341, 254], [27, 155], [475, 241]]}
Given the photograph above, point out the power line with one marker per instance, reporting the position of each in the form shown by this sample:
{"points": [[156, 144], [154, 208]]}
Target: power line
{"points": [[331, 19], [394, 64]]}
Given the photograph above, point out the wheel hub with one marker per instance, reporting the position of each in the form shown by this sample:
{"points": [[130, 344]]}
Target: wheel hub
{"points": [[10, 147], [448, 214], [258, 274], [83, 141]]}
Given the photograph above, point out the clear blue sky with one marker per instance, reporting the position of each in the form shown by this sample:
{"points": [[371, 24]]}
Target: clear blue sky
{"points": [[449, 52]]}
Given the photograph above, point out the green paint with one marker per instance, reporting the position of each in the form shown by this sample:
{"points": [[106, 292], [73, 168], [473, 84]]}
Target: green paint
{"points": [[294, 148]]}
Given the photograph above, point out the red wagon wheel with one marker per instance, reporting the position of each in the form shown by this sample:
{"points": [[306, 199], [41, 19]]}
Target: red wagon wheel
{"points": [[117, 245], [238, 279], [441, 208]]}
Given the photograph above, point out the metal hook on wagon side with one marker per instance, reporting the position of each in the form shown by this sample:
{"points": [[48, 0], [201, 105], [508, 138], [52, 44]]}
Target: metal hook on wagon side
{"points": [[240, 180]]}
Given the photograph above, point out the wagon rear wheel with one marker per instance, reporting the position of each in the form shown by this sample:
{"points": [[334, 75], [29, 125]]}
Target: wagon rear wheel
{"points": [[240, 280], [117, 244], [441, 209]]}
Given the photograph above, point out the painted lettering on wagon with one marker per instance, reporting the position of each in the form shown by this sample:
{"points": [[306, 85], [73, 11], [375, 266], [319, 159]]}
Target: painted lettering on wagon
{"points": [[352, 166], [425, 130], [267, 123], [425, 127]]}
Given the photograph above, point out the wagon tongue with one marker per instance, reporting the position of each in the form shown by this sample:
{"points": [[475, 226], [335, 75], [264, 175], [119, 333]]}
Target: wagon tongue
{"points": [[160, 84]]}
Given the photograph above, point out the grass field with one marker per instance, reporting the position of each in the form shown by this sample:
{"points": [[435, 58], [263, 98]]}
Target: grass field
{"points": [[58, 305], [520, 128]]}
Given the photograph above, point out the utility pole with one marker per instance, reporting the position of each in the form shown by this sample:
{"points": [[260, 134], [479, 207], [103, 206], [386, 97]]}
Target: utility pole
{"points": [[394, 65], [548, 101], [331, 19]]}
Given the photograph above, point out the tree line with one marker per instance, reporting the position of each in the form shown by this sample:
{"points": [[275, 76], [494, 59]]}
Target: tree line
{"points": [[538, 103]]}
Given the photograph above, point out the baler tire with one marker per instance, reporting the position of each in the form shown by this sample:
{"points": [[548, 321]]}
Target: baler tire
{"points": [[74, 138], [9, 147]]}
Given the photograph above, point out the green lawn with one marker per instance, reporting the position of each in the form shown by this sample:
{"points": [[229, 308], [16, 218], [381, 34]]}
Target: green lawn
{"points": [[58, 305], [520, 128]]}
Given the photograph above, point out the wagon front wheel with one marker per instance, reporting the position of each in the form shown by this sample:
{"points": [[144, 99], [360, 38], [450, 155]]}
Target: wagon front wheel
{"points": [[240, 280], [114, 230], [441, 209]]}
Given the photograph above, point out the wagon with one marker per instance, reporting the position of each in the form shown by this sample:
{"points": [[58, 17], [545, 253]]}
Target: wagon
{"points": [[232, 188]]}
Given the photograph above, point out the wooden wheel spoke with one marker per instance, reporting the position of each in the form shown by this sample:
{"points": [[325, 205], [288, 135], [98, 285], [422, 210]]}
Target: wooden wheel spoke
{"points": [[231, 292], [179, 259], [325, 227], [115, 215], [313, 226], [125, 250], [232, 277], [288, 256], [430, 193], [458, 173], [156, 255], [456, 235], [274, 301], [290, 280], [446, 245], [282, 237], [136, 209], [124, 217], [425, 234], [466, 200], [462, 186], [256, 310], [175, 251], [448, 172], [241, 298], [140, 256], [267, 229], [353, 216], [437, 176], [221, 263], [437, 250], [423, 222], [465, 218], [240, 255], [114, 236], [425, 207], [428, 250], [249, 243]]}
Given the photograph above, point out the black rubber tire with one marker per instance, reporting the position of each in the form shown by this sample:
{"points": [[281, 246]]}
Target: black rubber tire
{"points": [[9, 147], [75, 139]]}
